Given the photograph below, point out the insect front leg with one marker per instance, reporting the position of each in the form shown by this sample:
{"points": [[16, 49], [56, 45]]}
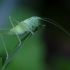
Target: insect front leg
{"points": [[4, 46], [15, 31]]}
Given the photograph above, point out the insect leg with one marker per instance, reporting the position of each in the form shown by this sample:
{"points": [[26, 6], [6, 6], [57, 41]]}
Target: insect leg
{"points": [[28, 28], [14, 20], [15, 31], [4, 46]]}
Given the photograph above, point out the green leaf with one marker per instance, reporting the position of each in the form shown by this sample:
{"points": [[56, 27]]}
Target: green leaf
{"points": [[16, 49]]}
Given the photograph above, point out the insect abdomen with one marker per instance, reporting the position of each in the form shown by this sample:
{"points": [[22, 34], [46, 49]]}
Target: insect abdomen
{"points": [[18, 29]]}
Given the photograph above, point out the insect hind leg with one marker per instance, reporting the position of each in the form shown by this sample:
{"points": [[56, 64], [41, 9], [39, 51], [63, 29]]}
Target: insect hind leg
{"points": [[15, 31], [4, 46]]}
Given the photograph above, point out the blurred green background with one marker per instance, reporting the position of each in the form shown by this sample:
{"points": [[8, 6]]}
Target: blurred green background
{"points": [[49, 47]]}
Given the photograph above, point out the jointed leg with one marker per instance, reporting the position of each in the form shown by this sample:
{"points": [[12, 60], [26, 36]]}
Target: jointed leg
{"points": [[14, 19], [15, 31], [28, 28], [4, 45]]}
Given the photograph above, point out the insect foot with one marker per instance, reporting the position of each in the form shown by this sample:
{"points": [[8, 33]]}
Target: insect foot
{"points": [[19, 44], [7, 57]]}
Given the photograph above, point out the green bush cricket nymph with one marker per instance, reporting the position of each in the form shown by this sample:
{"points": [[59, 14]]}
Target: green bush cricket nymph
{"points": [[28, 25]]}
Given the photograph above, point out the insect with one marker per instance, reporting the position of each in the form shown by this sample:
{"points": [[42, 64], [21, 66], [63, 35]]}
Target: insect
{"points": [[28, 25]]}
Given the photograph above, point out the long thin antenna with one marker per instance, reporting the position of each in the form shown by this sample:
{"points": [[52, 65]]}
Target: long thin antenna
{"points": [[55, 23], [4, 46]]}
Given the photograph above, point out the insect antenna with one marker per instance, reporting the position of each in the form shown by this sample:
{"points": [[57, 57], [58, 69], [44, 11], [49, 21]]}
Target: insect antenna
{"points": [[54, 23]]}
